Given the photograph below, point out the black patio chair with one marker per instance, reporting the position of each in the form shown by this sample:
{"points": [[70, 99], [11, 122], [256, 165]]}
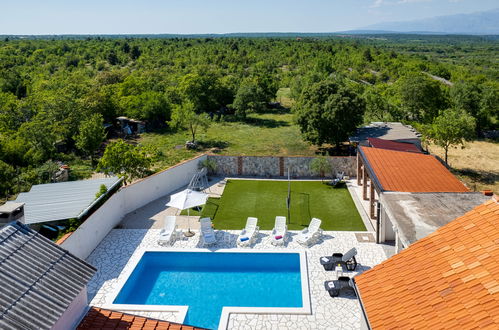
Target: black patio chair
{"points": [[335, 287], [348, 260]]}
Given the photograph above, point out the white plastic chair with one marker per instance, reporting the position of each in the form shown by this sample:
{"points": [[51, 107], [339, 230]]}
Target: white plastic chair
{"points": [[207, 232], [169, 233], [311, 234], [280, 231], [248, 234]]}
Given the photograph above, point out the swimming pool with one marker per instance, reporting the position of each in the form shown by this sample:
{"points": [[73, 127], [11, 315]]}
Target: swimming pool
{"points": [[209, 282]]}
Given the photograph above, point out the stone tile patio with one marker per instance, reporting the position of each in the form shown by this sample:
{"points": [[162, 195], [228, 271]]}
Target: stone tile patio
{"points": [[118, 251]]}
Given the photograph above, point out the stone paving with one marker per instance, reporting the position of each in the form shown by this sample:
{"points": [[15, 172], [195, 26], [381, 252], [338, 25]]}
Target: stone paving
{"points": [[120, 249]]}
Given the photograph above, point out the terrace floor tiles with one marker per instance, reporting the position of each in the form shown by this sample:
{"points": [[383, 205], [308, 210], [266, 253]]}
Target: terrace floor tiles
{"points": [[117, 253]]}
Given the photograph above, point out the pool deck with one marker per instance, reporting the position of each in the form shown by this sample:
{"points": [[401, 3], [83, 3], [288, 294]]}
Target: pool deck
{"points": [[121, 248]]}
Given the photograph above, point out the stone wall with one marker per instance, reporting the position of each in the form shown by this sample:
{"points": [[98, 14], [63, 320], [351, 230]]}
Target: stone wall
{"points": [[278, 166]]}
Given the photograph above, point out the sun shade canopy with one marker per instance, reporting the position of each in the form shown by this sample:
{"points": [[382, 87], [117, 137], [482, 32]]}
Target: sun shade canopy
{"points": [[187, 199]]}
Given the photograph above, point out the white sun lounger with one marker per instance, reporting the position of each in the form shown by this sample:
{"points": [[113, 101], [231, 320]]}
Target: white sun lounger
{"points": [[207, 233], [169, 233], [248, 234], [279, 233], [311, 234]]}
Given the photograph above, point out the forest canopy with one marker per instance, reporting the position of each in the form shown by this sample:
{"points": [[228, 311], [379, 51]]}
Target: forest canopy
{"points": [[55, 93]]}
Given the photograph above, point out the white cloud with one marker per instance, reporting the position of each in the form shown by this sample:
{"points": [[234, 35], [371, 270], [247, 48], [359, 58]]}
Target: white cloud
{"points": [[412, 1], [377, 3]]}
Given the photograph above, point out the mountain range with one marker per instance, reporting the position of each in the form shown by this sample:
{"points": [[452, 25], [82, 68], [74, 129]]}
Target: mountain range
{"points": [[483, 23]]}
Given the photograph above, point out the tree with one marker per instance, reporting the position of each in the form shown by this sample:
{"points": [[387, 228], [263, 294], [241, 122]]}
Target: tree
{"points": [[480, 101], [421, 97], [112, 58], [7, 174], [185, 117], [327, 112], [91, 135], [151, 106], [135, 52], [377, 106], [126, 160], [452, 127], [202, 88], [320, 166], [249, 98]]}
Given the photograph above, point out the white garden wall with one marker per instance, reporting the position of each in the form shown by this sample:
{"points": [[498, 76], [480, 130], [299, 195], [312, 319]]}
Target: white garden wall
{"points": [[129, 198], [91, 232], [160, 184]]}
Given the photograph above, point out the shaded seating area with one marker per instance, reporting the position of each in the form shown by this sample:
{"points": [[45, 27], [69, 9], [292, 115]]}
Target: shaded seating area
{"points": [[347, 260], [335, 287]]}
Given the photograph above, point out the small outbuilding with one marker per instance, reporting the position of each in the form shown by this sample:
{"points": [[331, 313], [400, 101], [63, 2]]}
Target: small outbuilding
{"points": [[380, 171], [392, 131], [413, 216], [446, 280], [11, 211], [62, 200], [43, 285]]}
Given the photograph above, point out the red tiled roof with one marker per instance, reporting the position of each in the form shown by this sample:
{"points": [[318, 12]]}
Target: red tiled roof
{"points": [[410, 172], [393, 145], [449, 279], [63, 238], [103, 319]]}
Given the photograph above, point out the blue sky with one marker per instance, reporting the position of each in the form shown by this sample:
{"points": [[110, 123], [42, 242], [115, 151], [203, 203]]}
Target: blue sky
{"points": [[217, 16]]}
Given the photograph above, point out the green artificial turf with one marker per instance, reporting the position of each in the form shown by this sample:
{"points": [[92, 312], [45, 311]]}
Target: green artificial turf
{"points": [[267, 199]]}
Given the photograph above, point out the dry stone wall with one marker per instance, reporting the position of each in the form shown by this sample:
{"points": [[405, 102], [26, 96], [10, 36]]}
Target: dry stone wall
{"points": [[278, 166]]}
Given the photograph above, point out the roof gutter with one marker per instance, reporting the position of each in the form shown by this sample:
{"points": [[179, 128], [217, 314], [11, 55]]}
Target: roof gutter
{"points": [[97, 200], [364, 313]]}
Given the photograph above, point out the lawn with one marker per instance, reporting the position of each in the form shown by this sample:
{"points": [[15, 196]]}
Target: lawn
{"points": [[273, 133], [267, 199]]}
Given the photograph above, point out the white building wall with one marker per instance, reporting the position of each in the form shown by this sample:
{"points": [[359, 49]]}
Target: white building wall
{"points": [[91, 232], [160, 184], [73, 315], [129, 198], [386, 231]]}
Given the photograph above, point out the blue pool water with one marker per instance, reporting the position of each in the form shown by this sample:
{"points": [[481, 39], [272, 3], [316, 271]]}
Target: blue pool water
{"points": [[207, 281]]}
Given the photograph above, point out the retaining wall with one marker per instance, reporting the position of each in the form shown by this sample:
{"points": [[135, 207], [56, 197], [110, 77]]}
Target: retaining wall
{"points": [[271, 166]]}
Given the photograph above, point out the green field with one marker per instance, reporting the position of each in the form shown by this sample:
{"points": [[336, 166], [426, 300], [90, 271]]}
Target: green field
{"points": [[267, 199], [260, 135]]}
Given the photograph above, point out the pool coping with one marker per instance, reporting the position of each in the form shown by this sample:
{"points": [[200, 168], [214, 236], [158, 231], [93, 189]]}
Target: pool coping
{"points": [[306, 308]]}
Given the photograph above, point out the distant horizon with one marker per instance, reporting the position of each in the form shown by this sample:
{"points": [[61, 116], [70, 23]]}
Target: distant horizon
{"points": [[196, 17], [348, 32]]}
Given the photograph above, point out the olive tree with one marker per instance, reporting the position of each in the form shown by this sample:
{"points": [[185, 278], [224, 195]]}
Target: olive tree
{"points": [[452, 127], [126, 160], [328, 111]]}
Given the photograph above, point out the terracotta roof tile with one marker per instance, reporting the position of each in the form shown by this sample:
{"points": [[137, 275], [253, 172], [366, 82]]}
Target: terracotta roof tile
{"points": [[393, 145], [102, 319], [442, 281], [410, 172]]}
